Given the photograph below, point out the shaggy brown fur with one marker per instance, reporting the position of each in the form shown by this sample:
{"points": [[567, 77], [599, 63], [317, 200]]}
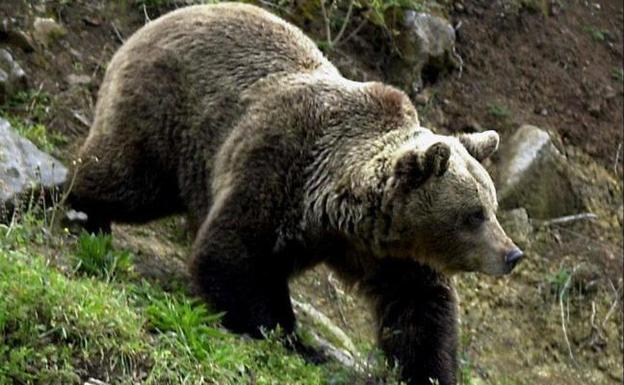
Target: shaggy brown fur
{"points": [[233, 116]]}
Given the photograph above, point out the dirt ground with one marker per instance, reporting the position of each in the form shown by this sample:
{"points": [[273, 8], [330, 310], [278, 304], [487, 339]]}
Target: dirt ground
{"points": [[556, 70]]}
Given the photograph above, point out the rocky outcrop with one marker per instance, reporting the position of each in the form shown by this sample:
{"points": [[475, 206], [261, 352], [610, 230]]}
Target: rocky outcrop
{"points": [[23, 166], [425, 46], [12, 77], [533, 174]]}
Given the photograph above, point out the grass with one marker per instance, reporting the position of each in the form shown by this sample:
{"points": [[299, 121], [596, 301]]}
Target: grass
{"points": [[498, 111], [27, 112], [597, 34], [71, 308], [95, 256], [618, 74]]}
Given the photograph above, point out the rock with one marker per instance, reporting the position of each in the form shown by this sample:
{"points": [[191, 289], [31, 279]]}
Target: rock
{"points": [[517, 225], [78, 80], [425, 42], [12, 77], [23, 165], [46, 30], [533, 174], [13, 36], [423, 97]]}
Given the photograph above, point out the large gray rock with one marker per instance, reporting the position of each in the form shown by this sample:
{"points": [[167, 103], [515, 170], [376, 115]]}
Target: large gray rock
{"points": [[12, 76], [424, 41], [533, 174], [23, 166]]}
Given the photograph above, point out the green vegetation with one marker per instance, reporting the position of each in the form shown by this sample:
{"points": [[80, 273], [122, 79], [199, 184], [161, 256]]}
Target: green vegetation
{"points": [[27, 112], [498, 111], [161, 5], [618, 74], [95, 256], [71, 308], [343, 19], [599, 35]]}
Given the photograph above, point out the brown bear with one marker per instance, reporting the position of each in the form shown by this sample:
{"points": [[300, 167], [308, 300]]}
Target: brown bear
{"points": [[233, 116]]}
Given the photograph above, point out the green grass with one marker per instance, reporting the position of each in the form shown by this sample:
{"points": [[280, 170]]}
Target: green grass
{"points": [[498, 111], [95, 256], [36, 106], [597, 34], [618, 74], [71, 308]]}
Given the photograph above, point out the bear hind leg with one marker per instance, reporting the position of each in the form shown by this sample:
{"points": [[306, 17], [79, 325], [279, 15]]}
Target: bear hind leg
{"points": [[119, 188]]}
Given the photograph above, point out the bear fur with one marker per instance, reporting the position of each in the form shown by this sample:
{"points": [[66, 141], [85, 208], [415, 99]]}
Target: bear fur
{"points": [[233, 116]]}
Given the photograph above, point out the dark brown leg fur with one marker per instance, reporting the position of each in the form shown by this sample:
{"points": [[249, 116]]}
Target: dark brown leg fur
{"points": [[114, 188], [235, 269], [417, 321]]}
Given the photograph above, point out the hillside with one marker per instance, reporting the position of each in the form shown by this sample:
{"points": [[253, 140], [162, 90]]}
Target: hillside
{"points": [[78, 309]]}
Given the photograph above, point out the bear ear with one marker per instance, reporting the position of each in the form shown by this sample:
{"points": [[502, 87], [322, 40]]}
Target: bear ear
{"points": [[480, 145], [415, 167]]}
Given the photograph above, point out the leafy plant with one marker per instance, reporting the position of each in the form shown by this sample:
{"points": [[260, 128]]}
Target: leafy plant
{"points": [[498, 111], [597, 34], [188, 321], [618, 74], [95, 256], [559, 281]]}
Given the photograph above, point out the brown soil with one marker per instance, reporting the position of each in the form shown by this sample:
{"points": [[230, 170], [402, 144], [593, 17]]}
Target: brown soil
{"points": [[556, 70]]}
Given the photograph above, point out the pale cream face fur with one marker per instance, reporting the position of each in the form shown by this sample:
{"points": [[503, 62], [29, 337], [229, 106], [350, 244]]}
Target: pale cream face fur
{"points": [[447, 221]]}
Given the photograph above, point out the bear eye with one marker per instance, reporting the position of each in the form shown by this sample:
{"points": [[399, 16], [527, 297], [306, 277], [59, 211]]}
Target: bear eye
{"points": [[475, 219]]}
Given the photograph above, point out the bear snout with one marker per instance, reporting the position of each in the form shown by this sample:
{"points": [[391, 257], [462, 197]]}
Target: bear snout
{"points": [[512, 258]]}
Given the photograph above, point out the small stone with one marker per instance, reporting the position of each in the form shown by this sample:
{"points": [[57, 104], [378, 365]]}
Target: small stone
{"points": [[423, 97], [46, 30], [78, 80], [594, 106]]}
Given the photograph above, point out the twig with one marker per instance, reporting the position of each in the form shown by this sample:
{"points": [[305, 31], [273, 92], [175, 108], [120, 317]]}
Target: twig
{"points": [[460, 60], [617, 158], [326, 20], [569, 218], [344, 24], [353, 33], [117, 33], [93, 381], [562, 313], [147, 18], [81, 118], [335, 292], [321, 319], [613, 305]]}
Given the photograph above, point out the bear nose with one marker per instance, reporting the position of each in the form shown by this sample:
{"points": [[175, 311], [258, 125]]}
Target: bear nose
{"points": [[513, 257]]}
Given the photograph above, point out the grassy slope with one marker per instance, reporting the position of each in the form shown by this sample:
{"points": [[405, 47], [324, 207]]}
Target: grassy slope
{"points": [[71, 309]]}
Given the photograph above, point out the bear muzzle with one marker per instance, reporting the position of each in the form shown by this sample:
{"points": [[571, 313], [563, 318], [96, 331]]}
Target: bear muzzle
{"points": [[512, 258]]}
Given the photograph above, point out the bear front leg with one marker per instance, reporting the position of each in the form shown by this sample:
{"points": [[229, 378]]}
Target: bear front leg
{"points": [[235, 268], [417, 321]]}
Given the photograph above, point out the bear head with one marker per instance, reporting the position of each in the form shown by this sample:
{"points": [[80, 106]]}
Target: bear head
{"points": [[441, 205]]}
